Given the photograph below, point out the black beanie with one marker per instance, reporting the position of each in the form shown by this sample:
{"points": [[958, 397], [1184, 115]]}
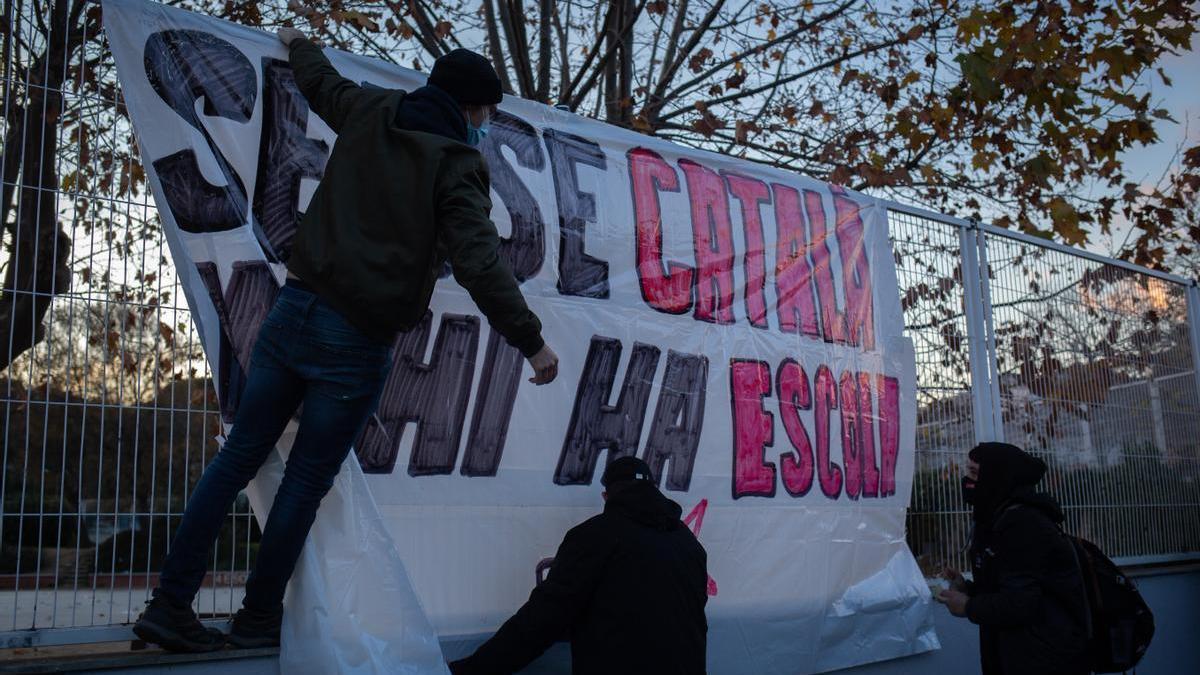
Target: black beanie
{"points": [[625, 469], [468, 77]]}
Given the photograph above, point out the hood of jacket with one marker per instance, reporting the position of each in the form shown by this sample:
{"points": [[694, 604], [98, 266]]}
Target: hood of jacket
{"points": [[1004, 471], [433, 111], [1041, 501], [643, 503]]}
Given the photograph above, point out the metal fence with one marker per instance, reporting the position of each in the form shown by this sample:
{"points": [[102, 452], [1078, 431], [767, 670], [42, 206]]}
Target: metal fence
{"points": [[110, 413], [1085, 361]]}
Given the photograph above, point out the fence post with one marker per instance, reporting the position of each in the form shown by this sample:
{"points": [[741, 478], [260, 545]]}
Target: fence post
{"points": [[981, 391], [1193, 307], [996, 407]]}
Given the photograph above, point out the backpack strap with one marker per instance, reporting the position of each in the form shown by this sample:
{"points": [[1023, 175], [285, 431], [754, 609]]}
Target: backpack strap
{"points": [[1084, 576]]}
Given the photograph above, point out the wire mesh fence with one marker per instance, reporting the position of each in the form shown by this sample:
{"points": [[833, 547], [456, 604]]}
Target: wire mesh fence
{"points": [[1091, 365], [1096, 376], [929, 268], [110, 413], [109, 410]]}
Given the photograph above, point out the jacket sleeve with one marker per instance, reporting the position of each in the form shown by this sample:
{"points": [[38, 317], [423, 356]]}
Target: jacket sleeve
{"points": [[1021, 558], [472, 245], [329, 94], [552, 608]]}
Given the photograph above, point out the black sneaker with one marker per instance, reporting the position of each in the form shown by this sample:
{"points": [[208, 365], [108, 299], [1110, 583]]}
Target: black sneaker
{"points": [[256, 628], [176, 628]]}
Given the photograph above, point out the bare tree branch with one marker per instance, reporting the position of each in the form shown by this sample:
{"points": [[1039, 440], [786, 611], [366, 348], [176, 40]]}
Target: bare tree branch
{"points": [[657, 99], [790, 78], [489, 15], [608, 54], [517, 47], [543, 79], [802, 28], [564, 75], [587, 61]]}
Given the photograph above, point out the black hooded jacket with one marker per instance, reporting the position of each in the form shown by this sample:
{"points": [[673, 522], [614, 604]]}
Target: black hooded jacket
{"points": [[1027, 595], [627, 587]]}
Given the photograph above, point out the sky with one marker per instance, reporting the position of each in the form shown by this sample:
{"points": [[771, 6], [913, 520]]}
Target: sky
{"points": [[1146, 165]]}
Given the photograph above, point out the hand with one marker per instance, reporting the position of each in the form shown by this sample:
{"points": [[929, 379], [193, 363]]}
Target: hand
{"points": [[955, 601], [956, 579], [289, 35], [545, 366]]}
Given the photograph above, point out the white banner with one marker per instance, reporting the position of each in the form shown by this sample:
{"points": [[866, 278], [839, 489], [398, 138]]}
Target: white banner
{"points": [[737, 326]]}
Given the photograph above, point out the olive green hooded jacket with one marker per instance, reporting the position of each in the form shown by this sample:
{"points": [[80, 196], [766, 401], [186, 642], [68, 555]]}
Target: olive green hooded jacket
{"points": [[396, 203]]}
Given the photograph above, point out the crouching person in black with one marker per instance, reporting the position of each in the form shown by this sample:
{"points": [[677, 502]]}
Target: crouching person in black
{"points": [[627, 587], [1027, 595]]}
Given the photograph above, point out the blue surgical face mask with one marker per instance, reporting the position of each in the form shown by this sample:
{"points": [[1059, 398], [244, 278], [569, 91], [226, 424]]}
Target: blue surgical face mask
{"points": [[476, 134]]}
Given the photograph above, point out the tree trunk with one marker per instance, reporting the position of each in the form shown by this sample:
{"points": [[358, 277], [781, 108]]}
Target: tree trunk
{"points": [[543, 76], [612, 27], [618, 71], [38, 249]]}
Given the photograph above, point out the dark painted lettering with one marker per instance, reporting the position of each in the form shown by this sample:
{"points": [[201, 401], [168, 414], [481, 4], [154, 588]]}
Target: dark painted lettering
{"points": [[286, 155], [498, 383], [595, 426], [240, 310], [184, 66], [525, 247], [678, 419], [578, 273], [433, 396]]}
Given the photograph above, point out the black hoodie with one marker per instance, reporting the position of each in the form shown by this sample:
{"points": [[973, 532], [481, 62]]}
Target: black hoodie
{"points": [[1027, 594], [627, 587]]}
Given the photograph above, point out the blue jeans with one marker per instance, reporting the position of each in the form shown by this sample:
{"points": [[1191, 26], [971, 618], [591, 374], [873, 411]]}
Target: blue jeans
{"points": [[305, 353]]}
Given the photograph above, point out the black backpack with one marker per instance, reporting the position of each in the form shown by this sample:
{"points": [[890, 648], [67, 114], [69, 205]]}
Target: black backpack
{"points": [[1120, 624]]}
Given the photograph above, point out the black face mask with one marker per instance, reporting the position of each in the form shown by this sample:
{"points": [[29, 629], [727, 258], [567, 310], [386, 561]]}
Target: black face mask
{"points": [[968, 490]]}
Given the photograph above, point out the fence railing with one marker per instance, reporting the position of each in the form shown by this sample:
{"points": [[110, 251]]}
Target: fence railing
{"points": [[1087, 361], [110, 413]]}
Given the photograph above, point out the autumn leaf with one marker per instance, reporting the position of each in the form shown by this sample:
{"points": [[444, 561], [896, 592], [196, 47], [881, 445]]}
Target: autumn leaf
{"points": [[697, 61], [356, 18], [708, 124], [1066, 221], [976, 71], [743, 129]]}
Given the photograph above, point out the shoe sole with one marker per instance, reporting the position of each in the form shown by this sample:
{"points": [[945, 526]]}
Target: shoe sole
{"points": [[171, 640], [244, 642]]}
